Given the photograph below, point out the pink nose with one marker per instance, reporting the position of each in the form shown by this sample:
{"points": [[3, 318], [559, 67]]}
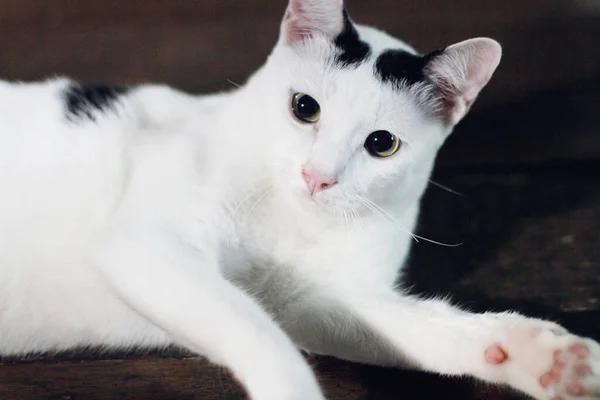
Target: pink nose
{"points": [[315, 181]]}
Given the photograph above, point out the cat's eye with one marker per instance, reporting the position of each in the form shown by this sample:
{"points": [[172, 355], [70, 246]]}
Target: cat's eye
{"points": [[305, 108], [382, 144]]}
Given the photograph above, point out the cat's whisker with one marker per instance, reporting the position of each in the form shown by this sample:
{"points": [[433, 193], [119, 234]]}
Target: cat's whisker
{"points": [[398, 224], [379, 214], [352, 217], [414, 236], [375, 211], [262, 191], [264, 194], [358, 219], [234, 84], [446, 188], [233, 214], [436, 242], [346, 222], [350, 214], [381, 210], [251, 194]]}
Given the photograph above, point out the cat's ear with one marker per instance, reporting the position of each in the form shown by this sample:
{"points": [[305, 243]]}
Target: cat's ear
{"points": [[459, 73], [305, 18]]}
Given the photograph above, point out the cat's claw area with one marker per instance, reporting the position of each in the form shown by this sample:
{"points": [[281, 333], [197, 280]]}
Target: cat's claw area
{"points": [[548, 363]]}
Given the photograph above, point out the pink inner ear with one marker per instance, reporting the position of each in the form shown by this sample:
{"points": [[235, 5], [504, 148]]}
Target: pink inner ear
{"points": [[484, 61], [293, 20], [460, 73], [304, 18], [296, 33]]}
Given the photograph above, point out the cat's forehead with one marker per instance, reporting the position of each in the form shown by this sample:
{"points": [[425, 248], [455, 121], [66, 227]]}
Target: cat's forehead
{"points": [[391, 60], [362, 59]]}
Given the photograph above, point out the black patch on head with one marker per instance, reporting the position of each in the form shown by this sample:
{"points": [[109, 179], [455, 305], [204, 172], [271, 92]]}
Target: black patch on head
{"points": [[86, 101], [352, 49], [399, 66]]}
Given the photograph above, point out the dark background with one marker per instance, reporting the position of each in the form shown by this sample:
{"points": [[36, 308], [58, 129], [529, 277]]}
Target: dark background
{"points": [[524, 162], [541, 106]]}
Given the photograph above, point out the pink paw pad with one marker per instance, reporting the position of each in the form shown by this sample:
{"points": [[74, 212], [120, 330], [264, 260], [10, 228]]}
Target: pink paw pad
{"points": [[555, 373], [554, 376], [583, 370], [575, 389], [580, 350], [495, 355], [551, 377]]}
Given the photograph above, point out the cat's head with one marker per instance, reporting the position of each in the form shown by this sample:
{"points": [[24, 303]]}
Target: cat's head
{"points": [[356, 116]]}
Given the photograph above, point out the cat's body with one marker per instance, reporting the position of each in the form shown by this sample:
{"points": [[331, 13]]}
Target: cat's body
{"points": [[71, 180], [87, 173], [241, 226]]}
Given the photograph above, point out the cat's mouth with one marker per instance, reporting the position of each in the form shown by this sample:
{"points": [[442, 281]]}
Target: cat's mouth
{"points": [[330, 202]]}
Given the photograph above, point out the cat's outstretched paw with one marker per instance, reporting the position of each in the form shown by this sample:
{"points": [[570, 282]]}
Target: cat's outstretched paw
{"points": [[575, 372], [544, 360]]}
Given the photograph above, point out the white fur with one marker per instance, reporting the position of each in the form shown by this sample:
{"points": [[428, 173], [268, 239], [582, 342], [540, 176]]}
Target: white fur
{"points": [[180, 219]]}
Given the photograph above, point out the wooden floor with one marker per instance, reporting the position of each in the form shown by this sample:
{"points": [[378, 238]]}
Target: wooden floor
{"points": [[530, 242]]}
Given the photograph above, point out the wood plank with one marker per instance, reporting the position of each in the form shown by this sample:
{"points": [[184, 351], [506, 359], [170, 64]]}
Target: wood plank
{"points": [[187, 379]]}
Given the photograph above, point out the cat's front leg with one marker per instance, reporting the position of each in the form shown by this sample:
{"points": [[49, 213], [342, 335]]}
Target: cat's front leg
{"points": [[180, 290], [381, 326], [537, 357]]}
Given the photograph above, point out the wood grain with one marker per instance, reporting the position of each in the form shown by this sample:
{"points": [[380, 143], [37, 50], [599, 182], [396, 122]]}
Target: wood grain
{"points": [[189, 378]]}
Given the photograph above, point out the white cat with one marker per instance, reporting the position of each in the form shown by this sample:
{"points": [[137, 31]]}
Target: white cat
{"points": [[245, 225]]}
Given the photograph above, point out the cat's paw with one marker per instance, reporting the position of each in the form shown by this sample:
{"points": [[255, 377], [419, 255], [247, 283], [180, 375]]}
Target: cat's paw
{"points": [[575, 372], [545, 361]]}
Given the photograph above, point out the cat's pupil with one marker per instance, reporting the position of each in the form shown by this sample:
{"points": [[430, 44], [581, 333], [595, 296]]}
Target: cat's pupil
{"points": [[382, 144], [381, 141], [305, 108]]}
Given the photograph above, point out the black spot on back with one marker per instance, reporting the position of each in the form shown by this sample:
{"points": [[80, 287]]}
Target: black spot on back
{"points": [[352, 49], [86, 101], [399, 66]]}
